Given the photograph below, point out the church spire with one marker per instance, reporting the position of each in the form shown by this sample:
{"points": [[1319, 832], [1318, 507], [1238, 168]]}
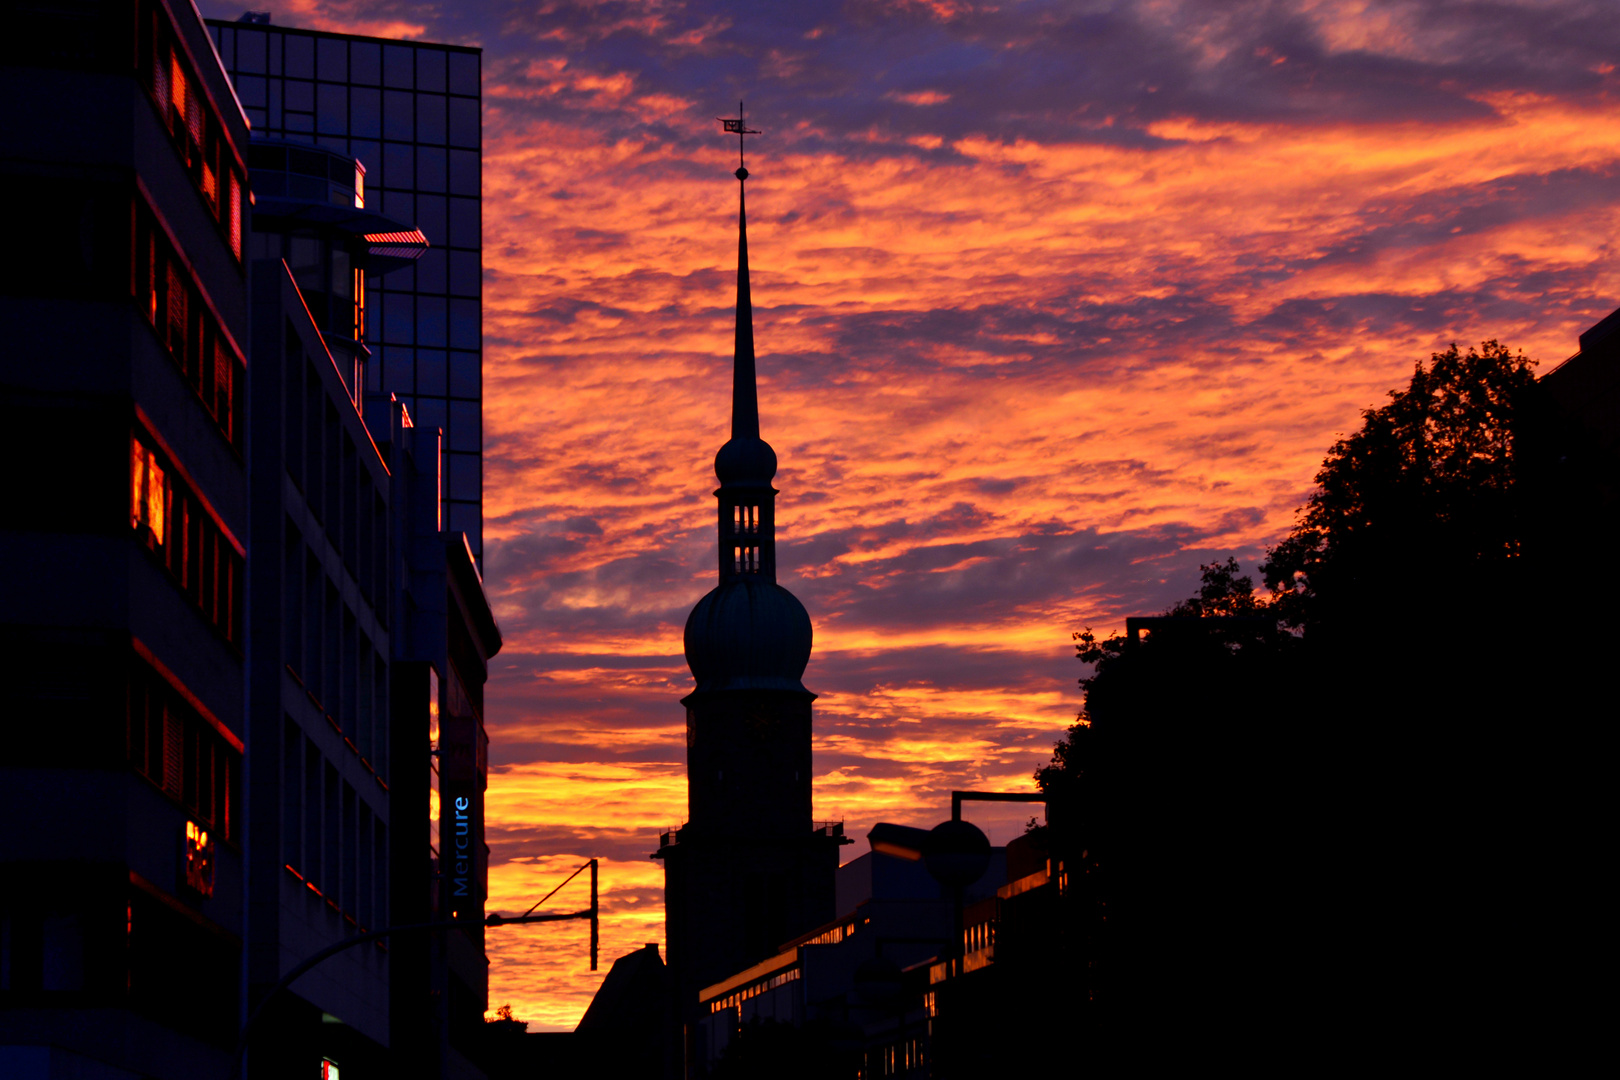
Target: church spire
{"points": [[746, 463], [744, 395]]}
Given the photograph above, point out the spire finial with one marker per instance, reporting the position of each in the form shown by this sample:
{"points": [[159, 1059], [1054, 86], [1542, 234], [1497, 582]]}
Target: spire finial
{"points": [[738, 126]]}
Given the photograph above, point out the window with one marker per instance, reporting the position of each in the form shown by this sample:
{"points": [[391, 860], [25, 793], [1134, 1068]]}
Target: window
{"points": [[180, 532], [747, 559], [181, 752], [172, 302], [196, 129]]}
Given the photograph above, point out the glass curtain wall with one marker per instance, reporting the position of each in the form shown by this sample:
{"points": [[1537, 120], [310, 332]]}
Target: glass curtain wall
{"points": [[409, 112]]}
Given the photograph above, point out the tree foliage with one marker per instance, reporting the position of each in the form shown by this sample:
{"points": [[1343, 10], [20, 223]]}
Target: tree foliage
{"points": [[1421, 501]]}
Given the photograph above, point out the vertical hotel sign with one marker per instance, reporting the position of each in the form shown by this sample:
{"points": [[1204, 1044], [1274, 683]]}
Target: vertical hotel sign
{"points": [[463, 881], [460, 831]]}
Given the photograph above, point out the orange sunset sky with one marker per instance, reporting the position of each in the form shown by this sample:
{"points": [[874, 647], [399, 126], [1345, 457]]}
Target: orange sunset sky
{"points": [[1053, 302]]}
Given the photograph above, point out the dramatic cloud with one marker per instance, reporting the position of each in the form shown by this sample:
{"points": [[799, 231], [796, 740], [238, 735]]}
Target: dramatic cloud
{"points": [[1054, 301]]}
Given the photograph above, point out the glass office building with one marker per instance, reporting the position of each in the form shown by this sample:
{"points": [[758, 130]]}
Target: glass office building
{"points": [[409, 111]]}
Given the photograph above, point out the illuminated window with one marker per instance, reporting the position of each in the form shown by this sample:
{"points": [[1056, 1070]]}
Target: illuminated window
{"points": [[199, 859], [179, 530], [148, 493], [433, 780], [196, 129], [184, 755], [175, 306]]}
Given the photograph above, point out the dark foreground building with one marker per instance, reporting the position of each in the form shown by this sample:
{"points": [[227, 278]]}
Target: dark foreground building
{"points": [[256, 647], [125, 318]]}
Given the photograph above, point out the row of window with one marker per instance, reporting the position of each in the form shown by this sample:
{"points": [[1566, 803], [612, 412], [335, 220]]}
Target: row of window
{"points": [[438, 270], [171, 744], [325, 464], [745, 559], [198, 132], [330, 838], [333, 656], [745, 519], [401, 66], [172, 301], [430, 170], [432, 373], [415, 319], [173, 523], [908, 1057], [734, 1000], [324, 108]]}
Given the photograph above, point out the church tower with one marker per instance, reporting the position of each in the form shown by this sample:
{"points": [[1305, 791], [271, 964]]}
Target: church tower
{"points": [[749, 870]]}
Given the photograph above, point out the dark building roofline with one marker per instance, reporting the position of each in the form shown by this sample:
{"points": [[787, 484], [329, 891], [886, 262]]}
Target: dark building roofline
{"points": [[282, 28], [470, 587]]}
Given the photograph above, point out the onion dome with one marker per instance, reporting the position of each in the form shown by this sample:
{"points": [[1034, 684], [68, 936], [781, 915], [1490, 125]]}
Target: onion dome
{"points": [[745, 462], [748, 633]]}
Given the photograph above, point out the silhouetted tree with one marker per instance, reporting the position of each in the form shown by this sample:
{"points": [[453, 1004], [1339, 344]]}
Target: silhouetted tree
{"points": [[1421, 505], [1338, 795]]}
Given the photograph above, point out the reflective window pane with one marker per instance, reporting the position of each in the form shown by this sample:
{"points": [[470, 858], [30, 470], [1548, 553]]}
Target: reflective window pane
{"points": [[464, 122], [430, 363], [332, 54], [430, 218], [430, 70], [429, 412], [332, 108], [251, 89], [464, 324], [399, 318], [397, 115], [463, 73], [398, 165], [300, 56], [464, 375], [430, 330], [431, 168], [398, 65], [465, 427], [465, 473], [431, 270], [399, 377], [250, 50], [465, 273], [466, 517], [430, 118], [400, 206], [365, 58], [464, 223], [465, 176], [367, 112]]}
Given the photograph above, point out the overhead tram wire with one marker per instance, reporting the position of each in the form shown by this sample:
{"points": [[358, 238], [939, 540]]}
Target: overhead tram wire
{"points": [[493, 919]]}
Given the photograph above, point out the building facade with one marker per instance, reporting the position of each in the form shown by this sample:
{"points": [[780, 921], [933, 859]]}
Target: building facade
{"points": [[371, 636], [749, 869], [409, 112], [125, 317]]}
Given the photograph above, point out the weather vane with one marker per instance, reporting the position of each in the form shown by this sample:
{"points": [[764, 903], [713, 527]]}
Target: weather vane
{"points": [[738, 126]]}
